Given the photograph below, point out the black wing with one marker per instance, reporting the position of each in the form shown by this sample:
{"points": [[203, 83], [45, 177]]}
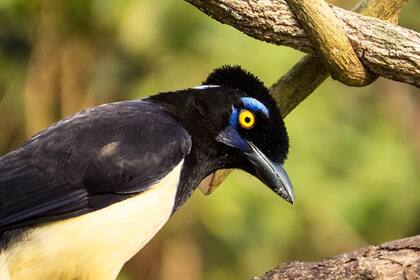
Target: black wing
{"points": [[88, 161]]}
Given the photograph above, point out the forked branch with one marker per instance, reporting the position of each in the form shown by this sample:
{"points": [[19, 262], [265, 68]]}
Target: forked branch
{"points": [[385, 49]]}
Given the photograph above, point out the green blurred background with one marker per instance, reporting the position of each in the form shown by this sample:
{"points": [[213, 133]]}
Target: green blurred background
{"points": [[354, 157]]}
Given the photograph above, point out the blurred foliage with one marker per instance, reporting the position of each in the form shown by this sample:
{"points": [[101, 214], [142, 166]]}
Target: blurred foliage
{"points": [[354, 156]]}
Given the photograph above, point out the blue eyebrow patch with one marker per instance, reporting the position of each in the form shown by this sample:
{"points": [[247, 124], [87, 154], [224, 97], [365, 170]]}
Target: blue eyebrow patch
{"points": [[254, 105]]}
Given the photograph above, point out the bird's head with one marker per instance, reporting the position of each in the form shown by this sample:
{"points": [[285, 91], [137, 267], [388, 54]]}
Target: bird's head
{"points": [[252, 128], [235, 123]]}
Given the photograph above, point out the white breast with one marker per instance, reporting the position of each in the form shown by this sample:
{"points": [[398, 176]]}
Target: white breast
{"points": [[95, 245]]}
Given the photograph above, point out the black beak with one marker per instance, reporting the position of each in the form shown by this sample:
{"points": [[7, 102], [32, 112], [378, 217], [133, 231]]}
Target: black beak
{"points": [[271, 173]]}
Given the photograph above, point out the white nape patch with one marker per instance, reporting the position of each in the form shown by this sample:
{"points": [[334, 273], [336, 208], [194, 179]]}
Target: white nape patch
{"points": [[206, 86], [95, 245]]}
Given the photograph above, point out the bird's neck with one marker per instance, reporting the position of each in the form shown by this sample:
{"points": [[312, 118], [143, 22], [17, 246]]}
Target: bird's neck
{"points": [[205, 156]]}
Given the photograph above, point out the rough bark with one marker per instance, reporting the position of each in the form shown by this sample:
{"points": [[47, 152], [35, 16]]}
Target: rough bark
{"points": [[399, 259], [310, 71], [331, 42], [386, 49]]}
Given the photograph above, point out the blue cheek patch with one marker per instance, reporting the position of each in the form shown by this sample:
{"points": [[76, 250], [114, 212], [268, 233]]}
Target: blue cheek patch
{"points": [[233, 121], [230, 136], [254, 105]]}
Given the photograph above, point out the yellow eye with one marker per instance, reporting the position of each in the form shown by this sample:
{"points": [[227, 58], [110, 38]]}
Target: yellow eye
{"points": [[246, 119]]}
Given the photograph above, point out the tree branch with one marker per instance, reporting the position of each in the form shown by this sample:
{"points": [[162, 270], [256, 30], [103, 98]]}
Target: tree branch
{"points": [[386, 49], [399, 259], [310, 72], [331, 41]]}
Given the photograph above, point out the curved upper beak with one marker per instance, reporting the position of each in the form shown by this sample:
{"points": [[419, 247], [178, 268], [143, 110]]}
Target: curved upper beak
{"points": [[270, 173]]}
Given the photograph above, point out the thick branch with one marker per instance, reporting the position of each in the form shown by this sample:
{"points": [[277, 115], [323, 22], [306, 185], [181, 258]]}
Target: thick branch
{"points": [[387, 50], [399, 259], [309, 72], [331, 41]]}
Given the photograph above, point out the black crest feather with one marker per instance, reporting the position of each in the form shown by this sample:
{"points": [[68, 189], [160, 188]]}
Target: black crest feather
{"points": [[237, 78]]}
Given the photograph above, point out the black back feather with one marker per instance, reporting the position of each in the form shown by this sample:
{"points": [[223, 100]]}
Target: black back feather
{"points": [[67, 170]]}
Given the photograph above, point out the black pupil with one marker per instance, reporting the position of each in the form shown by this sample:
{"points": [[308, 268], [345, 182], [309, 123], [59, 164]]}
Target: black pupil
{"points": [[247, 119]]}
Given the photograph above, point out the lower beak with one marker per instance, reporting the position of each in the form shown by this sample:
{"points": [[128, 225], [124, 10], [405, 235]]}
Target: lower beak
{"points": [[271, 173]]}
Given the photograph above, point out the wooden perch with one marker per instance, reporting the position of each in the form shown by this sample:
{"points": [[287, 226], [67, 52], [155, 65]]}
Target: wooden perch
{"points": [[396, 260], [385, 49]]}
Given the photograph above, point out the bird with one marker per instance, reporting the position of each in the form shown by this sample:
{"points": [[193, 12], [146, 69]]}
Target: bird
{"points": [[83, 196]]}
